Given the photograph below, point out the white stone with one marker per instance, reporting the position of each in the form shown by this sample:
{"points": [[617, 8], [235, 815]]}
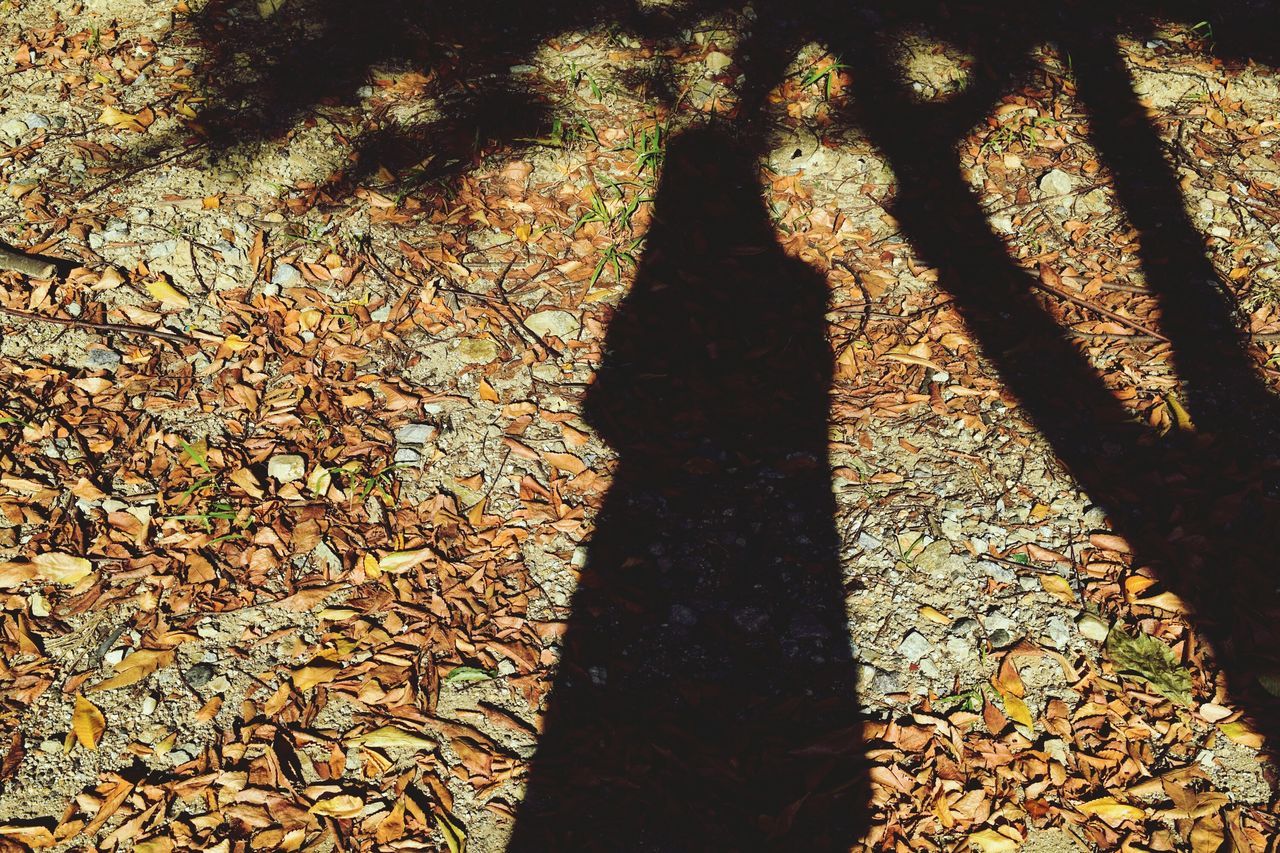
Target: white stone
{"points": [[286, 467], [1056, 182], [562, 324], [914, 646]]}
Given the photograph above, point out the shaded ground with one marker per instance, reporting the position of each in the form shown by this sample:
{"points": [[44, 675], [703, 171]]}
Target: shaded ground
{"points": [[770, 332]]}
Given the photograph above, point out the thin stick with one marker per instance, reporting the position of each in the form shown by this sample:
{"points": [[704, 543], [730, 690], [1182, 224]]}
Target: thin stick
{"points": [[30, 265], [1105, 312], [122, 328]]}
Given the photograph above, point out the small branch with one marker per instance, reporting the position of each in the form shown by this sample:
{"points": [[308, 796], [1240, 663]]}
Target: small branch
{"points": [[121, 328], [1105, 312], [29, 265]]}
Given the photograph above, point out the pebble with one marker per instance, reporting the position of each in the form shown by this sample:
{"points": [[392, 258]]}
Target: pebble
{"points": [[35, 120], [1092, 627], [200, 675], [562, 324], [14, 128], [285, 275], [286, 467], [406, 456], [717, 61], [886, 682], [999, 638], [101, 358], [148, 706], [914, 646], [1058, 632], [418, 435], [477, 350], [1056, 182], [1093, 202]]}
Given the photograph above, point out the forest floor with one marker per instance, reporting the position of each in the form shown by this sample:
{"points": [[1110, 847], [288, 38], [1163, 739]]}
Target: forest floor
{"points": [[296, 488]]}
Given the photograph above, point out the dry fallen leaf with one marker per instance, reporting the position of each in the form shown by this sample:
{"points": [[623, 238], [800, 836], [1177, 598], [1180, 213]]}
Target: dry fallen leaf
{"points": [[87, 722], [167, 294], [1110, 811], [392, 736], [339, 805], [990, 841], [134, 668]]}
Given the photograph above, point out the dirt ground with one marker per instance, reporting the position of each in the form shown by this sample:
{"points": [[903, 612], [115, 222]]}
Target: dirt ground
{"points": [[296, 494]]}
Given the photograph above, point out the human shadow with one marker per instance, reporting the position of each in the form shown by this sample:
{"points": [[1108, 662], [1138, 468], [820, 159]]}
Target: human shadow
{"points": [[705, 696]]}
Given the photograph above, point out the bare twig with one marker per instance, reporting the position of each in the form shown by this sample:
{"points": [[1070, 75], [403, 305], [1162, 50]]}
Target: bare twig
{"points": [[30, 265], [1105, 312], [121, 328]]}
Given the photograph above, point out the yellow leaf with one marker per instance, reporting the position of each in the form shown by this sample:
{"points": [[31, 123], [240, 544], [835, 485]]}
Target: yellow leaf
{"points": [[167, 294], [134, 668], [1164, 601], [1018, 711], [318, 480], [121, 120], [990, 841], [1059, 586], [1110, 811], [1181, 416], [935, 615], [57, 567], [340, 805], [399, 561], [1240, 733], [487, 393], [392, 736], [88, 723]]}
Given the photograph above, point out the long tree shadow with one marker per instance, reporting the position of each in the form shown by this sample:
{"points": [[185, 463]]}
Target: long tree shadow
{"points": [[1198, 510], [705, 699]]}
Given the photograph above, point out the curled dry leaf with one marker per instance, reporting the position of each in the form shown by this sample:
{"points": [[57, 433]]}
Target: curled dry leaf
{"points": [[388, 736], [339, 805], [134, 668], [1111, 811], [990, 841], [87, 723]]}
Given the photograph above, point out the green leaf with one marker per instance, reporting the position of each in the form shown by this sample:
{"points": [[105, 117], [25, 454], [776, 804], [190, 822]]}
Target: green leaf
{"points": [[468, 673], [1146, 658]]}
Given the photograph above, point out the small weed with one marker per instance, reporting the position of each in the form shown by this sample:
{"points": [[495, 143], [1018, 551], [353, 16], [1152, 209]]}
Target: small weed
{"points": [[821, 75]]}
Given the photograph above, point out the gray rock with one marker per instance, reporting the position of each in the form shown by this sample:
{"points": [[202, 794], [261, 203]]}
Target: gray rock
{"points": [[407, 456], [200, 675], [999, 638], [100, 358], [1056, 182], [285, 275], [886, 682], [1092, 203], [914, 646], [36, 121], [286, 467], [418, 435], [562, 324]]}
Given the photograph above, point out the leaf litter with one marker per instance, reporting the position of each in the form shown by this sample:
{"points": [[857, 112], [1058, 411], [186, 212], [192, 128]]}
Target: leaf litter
{"points": [[199, 655]]}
